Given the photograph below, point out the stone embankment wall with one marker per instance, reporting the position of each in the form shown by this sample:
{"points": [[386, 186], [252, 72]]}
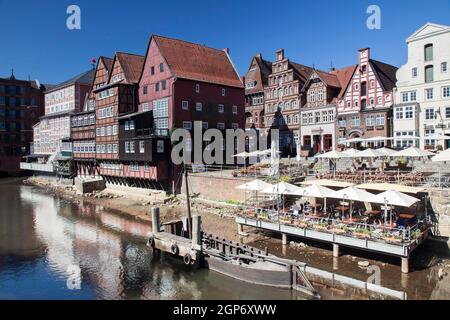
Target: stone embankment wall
{"points": [[440, 201]]}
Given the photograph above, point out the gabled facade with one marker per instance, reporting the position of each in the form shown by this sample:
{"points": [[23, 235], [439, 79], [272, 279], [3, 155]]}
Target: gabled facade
{"points": [[83, 124], [183, 83], [114, 97], [255, 81], [365, 104], [423, 90], [318, 129], [283, 100]]}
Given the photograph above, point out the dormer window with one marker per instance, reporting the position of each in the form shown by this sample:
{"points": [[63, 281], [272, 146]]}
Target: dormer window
{"points": [[197, 88], [223, 92]]}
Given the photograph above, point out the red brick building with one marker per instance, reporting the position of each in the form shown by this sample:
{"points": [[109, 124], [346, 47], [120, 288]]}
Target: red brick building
{"points": [[83, 125], [115, 90], [21, 105], [183, 82], [256, 79]]}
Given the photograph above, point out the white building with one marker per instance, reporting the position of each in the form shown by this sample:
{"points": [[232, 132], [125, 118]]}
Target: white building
{"points": [[422, 106]]}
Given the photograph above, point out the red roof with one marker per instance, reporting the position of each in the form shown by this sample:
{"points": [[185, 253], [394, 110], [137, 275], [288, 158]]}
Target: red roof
{"points": [[132, 65], [196, 62], [344, 76]]}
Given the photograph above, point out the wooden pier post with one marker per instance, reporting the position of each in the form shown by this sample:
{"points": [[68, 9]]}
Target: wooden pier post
{"points": [[405, 264], [196, 230], [335, 250], [240, 229], [284, 239], [155, 220]]}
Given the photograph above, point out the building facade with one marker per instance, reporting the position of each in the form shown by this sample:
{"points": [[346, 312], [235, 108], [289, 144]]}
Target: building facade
{"points": [[115, 96], [365, 104], [255, 81], [183, 83], [83, 125], [423, 90], [318, 125], [21, 105], [283, 100]]}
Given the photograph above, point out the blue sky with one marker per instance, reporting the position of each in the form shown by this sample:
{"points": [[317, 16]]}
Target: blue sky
{"points": [[36, 42]]}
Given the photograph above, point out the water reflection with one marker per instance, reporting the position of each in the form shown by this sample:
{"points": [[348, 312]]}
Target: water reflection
{"points": [[43, 235]]}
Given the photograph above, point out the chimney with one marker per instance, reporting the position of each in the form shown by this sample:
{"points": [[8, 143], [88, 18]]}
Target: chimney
{"points": [[259, 55], [364, 55], [227, 51], [280, 54]]}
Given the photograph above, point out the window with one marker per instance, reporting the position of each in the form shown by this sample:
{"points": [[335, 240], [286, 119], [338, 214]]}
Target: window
{"points": [[355, 103], [413, 95], [446, 92], [317, 117], [141, 146], [160, 146], [431, 142], [221, 126], [429, 94], [220, 108], [429, 74], [127, 125], [414, 72], [430, 114], [145, 89], [356, 86], [197, 88], [405, 96], [157, 86], [127, 146], [444, 67], [234, 126], [409, 112], [163, 85], [198, 106], [355, 121], [185, 105], [370, 121], [161, 67], [131, 146], [223, 92], [146, 167], [380, 120], [152, 70], [187, 125], [235, 110], [341, 122], [447, 112], [428, 52], [145, 107], [363, 69], [131, 124], [134, 166], [204, 125]]}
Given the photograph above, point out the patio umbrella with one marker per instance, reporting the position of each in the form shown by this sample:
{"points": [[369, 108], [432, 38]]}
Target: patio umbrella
{"points": [[255, 185], [393, 198], [413, 152], [386, 152], [316, 191], [444, 156], [351, 194], [369, 153], [282, 189], [329, 155], [349, 153]]}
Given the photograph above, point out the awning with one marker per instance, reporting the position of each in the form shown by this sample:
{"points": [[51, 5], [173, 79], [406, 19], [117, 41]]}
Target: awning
{"points": [[329, 155], [351, 193], [390, 186], [282, 188], [444, 156], [413, 152], [328, 183], [255, 185]]}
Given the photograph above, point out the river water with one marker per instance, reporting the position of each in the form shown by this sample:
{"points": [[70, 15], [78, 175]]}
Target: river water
{"points": [[51, 248]]}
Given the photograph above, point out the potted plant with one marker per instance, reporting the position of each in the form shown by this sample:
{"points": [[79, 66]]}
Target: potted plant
{"points": [[339, 229], [401, 162], [321, 226], [301, 224], [393, 239]]}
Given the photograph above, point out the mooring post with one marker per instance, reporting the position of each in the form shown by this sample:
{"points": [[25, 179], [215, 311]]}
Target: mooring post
{"points": [[284, 240], [196, 230], [405, 264], [240, 228], [335, 250], [155, 220]]}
